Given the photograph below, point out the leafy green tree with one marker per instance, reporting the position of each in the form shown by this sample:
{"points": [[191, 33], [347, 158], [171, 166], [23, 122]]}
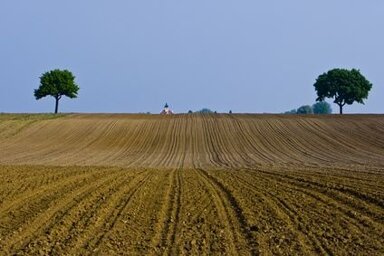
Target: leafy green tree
{"points": [[306, 109], [322, 107], [57, 83], [345, 86]]}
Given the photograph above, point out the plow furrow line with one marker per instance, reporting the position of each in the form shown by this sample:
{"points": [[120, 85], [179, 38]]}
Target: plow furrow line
{"points": [[215, 149], [53, 213], [102, 231], [343, 195], [281, 210], [77, 220], [167, 240], [342, 144], [237, 150], [250, 143], [360, 220], [233, 214], [297, 212], [45, 193]]}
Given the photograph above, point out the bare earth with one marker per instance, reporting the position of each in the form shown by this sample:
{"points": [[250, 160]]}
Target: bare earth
{"points": [[100, 184]]}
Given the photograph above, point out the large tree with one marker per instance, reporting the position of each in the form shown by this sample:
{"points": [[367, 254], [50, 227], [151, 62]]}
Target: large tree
{"points": [[345, 86], [57, 83]]}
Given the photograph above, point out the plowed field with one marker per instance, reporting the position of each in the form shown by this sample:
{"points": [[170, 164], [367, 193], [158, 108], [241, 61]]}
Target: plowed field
{"points": [[191, 184]]}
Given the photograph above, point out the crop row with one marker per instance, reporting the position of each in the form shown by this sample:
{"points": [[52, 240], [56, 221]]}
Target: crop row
{"points": [[112, 210]]}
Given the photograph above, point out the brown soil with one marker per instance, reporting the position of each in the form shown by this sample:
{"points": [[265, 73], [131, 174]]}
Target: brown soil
{"points": [[192, 184]]}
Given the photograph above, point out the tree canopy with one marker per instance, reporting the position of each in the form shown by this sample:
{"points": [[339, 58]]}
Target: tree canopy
{"points": [[293, 111], [205, 111], [306, 109], [57, 83], [322, 107], [344, 86]]}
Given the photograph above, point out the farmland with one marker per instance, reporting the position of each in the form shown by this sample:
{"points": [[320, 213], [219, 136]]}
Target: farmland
{"points": [[101, 184]]}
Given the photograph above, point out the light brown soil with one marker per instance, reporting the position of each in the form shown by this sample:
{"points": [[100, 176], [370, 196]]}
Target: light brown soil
{"points": [[192, 184]]}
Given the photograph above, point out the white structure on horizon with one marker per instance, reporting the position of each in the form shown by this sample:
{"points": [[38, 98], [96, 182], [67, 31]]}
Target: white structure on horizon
{"points": [[166, 110]]}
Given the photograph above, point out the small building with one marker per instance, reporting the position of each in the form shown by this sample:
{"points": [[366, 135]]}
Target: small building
{"points": [[166, 110]]}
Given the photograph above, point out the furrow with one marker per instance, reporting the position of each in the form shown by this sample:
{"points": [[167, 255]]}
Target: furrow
{"points": [[57, 208], [112, 218], [168, 236], [242, 238], [59, 237]]}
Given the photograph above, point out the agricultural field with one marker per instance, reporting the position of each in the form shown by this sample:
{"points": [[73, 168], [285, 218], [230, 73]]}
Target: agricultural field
{"points": [[99, 184]]}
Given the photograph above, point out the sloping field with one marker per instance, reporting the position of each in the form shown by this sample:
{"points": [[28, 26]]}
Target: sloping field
{"points": [[191, 184], [193, 141]]}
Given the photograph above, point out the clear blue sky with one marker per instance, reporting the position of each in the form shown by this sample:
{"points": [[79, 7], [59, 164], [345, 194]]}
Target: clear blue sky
{"points": [[133, 56]]}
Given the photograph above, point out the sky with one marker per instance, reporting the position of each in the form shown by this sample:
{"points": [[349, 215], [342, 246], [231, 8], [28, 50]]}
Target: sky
{"points": [[134, 56]]}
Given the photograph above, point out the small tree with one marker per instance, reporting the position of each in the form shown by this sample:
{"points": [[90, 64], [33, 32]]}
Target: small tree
{"points": [[345, 86], [305, 110], [322, 107], [205, 111], [290, 112], [57, 83]]}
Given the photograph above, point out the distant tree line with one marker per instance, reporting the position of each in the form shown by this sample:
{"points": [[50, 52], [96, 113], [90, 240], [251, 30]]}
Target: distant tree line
{"points": [[205, 111], [317, 108]]}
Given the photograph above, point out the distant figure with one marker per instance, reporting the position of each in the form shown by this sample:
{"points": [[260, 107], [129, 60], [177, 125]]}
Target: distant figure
{"points": [[166, 110]]}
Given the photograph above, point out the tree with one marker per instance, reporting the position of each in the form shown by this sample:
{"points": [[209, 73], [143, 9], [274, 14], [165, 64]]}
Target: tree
{"points": [[322, 107], [293, 111], [306, 109], [57, 83], [345, 86], [205, 111]]}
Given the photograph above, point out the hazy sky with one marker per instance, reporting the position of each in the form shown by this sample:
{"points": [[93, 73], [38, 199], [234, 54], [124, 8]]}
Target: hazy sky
{"points": [[133, 56]]}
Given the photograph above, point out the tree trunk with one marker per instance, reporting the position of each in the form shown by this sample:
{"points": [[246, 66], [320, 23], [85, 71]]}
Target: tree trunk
{"points": [[341, 109], [57, 105]]}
